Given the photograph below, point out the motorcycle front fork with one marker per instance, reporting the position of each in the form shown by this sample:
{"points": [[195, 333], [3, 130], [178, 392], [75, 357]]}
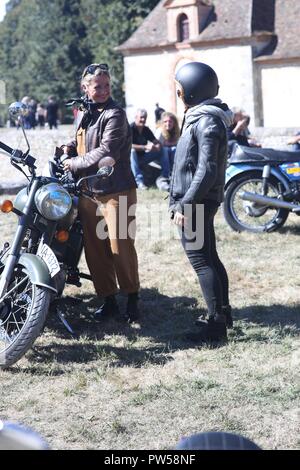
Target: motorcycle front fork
{"points": [[14, 252], [265, 179]]}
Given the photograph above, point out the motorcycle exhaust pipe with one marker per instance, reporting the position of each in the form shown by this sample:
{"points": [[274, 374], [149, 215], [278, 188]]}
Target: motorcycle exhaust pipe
{"points": [[269, 201]]}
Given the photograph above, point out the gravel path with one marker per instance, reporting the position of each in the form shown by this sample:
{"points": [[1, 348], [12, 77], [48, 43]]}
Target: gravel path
{"points": [[42, 143]]}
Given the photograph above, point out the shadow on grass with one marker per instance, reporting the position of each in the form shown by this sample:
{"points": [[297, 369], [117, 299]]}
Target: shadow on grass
{"points": [[292, 229], [266, 323], [276, 315], [161, 330]]}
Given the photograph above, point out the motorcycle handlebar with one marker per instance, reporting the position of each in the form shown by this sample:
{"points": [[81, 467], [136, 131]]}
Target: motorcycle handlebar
{"points": [[18, 156], [6, 148]]}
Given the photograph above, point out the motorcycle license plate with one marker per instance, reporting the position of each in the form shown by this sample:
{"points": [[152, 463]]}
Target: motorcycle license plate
{"points": [[47, 255]]}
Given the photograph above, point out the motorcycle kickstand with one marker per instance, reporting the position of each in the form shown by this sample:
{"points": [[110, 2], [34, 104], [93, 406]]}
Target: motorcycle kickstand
{"points": [[66, 324]]}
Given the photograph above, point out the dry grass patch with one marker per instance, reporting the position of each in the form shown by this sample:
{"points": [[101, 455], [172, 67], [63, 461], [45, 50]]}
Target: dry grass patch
{"points": [[144, 386]]}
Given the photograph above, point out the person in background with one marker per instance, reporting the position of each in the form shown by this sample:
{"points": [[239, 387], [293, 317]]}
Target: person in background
{"points": [[52, 112], [197, 190], [168, 134], [32, 112], [103, 137], [145, 149], [158, 112], [40, 115], [295, 142], [239, 131]]}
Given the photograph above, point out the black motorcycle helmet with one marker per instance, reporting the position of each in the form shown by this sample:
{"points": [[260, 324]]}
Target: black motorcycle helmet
{"points": [[198, 82]]}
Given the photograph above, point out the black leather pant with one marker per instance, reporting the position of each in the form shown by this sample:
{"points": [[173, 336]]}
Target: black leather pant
{"points": [[210, 270]]}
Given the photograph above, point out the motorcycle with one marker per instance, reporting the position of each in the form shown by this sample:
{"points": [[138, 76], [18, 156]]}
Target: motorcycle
{"points": [[262, 187], [45, 252]]}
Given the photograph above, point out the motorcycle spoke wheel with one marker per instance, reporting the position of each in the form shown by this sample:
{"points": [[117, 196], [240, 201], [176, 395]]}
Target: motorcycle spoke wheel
{"points": [[248, 216], [14, 312], [22, 315]]}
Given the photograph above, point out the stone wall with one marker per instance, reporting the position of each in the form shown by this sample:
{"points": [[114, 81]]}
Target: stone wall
{"points": [[275, 137], [149, 78], [281, 95]]}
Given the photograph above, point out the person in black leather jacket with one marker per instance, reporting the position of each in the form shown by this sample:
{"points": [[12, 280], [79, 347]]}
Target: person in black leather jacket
{"points": [[197, 189]]}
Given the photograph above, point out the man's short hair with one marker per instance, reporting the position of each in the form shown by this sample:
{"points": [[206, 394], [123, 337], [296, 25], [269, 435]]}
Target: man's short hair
{"points": [[141, 112]]}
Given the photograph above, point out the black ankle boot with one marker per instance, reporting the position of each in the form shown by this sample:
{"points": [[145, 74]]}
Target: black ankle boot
{"points": [[109, 308], [213, 329], [226, 309], [132, 311], [216, 329]]}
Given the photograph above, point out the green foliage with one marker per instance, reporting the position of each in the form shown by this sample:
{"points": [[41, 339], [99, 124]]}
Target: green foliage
{"points": [[46, 45]]}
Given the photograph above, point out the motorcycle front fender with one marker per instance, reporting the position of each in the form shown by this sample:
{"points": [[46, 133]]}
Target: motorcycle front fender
{"points": [[38, 271], [233, 171]]}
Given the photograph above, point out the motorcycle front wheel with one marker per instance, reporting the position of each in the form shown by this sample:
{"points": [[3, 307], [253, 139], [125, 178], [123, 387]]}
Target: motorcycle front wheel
{"points": [[248, 216], [22, 316]]}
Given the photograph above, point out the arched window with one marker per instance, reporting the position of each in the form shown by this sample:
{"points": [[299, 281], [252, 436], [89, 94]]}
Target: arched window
{"points": [[183, 28]]}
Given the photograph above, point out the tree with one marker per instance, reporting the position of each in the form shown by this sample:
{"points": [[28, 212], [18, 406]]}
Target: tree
{"points": [[44, 46], [115, 21]]}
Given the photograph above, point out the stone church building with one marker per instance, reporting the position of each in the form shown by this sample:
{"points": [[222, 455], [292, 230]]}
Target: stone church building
{"points": [[254, 46]]}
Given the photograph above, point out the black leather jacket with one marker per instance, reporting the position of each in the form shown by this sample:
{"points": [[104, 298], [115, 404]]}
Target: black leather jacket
{"points": [[200, 163]]}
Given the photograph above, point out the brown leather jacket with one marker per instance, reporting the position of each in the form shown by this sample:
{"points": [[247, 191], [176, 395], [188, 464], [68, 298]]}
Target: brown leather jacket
{"points": [[108, 134]]}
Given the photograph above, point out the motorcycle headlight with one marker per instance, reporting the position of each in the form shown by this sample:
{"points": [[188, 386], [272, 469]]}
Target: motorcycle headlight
{"points": [[53, 201]]}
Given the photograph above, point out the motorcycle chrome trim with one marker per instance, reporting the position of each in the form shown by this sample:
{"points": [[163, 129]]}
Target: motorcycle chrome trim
{"points": [[53, 201], [266, 171], [10, 263], [268, 201], [17, 285], [19, 110]]}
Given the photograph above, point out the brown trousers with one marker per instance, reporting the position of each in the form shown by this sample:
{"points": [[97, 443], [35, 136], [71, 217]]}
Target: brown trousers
{"points": [[109, 234]]}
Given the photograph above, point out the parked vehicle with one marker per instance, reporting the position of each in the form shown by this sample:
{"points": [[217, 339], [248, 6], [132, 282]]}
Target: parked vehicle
{"points": [[45, 250], [262, 188]]}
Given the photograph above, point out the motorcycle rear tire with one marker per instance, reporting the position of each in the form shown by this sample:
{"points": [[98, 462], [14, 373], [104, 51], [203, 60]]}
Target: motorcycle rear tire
{"points": [[33, 323], [231, 217]]}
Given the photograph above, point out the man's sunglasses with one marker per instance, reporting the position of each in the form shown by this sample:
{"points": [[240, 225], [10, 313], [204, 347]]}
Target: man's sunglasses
{"points": [[91, 69]]}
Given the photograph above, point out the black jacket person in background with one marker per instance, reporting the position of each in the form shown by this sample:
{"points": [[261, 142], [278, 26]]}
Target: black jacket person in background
{"points": [[52, 112], [197, 189]]}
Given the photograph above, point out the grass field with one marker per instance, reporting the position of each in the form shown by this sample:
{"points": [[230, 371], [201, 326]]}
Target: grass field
{"points": [[144, 386]]}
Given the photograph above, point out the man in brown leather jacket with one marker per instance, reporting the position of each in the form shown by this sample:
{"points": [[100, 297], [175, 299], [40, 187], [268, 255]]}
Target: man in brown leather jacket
{"points": [[103, 136], [197, 189]]}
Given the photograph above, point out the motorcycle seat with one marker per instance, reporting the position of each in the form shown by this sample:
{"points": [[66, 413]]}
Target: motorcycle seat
{"points": [[243, 154]]}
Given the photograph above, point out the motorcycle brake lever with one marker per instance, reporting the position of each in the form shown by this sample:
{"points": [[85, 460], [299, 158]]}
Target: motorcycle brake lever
{"points": [[17, 156]]}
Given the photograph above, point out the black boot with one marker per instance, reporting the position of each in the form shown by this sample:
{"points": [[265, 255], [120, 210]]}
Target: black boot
{"points": [[216, 329], [109, 308], [226, 310], [213, 329], [132, 311]]}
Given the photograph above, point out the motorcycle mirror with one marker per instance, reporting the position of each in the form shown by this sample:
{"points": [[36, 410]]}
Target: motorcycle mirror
{"points": [[18, 109], [105, 171]]}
